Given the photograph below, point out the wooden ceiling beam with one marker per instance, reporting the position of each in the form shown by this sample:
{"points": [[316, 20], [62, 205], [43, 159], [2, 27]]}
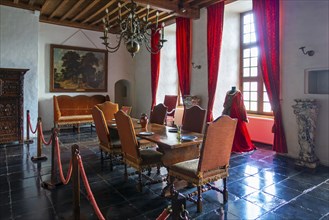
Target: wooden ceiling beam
{"points": [[141, 13], [45, 6], [188, 1], [171, 7], [77, 4], [20, 5], [153, 18], [57, 8], [110, 13], [124, 12], [86, 9], [70, 24], [31, 2], [207, 3], [169, 19], [99, 11]]}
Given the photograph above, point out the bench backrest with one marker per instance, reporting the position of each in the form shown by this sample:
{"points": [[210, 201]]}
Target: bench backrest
{"points": [[76, 105]]}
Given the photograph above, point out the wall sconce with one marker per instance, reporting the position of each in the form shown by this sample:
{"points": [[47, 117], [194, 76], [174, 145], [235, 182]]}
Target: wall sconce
{"points": [[309, 52], [196, 66]]}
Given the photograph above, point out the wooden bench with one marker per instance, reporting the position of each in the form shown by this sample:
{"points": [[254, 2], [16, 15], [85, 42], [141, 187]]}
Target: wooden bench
{"points": [[75, 110]]}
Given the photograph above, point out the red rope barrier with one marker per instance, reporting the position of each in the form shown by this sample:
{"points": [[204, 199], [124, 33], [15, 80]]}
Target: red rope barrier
{"points": [[69, 172], [89, 192], [29, 121], [43, 138], [164, 214]]}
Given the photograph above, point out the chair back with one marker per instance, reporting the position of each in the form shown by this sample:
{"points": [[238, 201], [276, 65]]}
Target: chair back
{"points": [[102, 130], [127, 136], [193, 119], [158, 114], [108, 108], [171, 102], [217, 143], [126, 109]]}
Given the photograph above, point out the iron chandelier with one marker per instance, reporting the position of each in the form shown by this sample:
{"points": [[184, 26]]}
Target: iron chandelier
{"points": [[133, 31]]}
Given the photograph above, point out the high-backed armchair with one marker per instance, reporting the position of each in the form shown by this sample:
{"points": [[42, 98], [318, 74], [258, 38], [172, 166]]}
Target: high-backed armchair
{"points": [[108, 108], [158, 114], [213, 163], [171, 102], [194, 119], [106, 143], [140, 160]]}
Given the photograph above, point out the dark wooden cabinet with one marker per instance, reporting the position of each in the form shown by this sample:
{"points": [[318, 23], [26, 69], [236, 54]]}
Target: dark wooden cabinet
{"points": [[11, 105]]}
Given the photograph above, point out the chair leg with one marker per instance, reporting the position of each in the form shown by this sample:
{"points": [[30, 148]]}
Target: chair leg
{"points": [[126, 173], [102, 157], [169, 189], [111, 162], [225, 193], [199, 201], [139, 184], [171, 185]]}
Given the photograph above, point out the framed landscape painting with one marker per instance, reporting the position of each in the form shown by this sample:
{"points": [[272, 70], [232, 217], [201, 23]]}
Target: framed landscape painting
{"points": [[77, 69]]}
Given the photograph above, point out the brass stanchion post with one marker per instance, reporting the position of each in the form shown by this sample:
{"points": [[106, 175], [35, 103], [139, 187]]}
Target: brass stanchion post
{"points": [[39, 144], [28, 140], [76, 182]]}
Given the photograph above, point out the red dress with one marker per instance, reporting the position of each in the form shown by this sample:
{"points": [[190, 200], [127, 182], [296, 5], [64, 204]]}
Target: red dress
{"points": [[234, 107]]}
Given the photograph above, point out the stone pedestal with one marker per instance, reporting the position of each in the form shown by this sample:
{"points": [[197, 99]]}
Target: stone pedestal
{"points": [[306, 111]]}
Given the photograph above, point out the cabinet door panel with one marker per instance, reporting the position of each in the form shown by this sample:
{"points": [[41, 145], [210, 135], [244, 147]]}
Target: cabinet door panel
{"points": [[11, 105]]}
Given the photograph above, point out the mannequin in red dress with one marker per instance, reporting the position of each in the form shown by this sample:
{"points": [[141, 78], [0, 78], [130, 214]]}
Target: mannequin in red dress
{"points": [[234, 107]]}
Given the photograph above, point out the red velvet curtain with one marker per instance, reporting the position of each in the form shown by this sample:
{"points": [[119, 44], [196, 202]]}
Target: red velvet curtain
{"points": [[267, 29], [155, 66], [183, 53], [215, 20]]}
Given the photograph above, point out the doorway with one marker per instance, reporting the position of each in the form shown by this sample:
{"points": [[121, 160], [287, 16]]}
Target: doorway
{"points": [[122, 93]]}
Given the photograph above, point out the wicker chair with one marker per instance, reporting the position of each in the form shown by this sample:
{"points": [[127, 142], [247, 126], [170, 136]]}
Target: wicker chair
{"points": [[140, 160], [213, 163], [194, 119], [107, 144], [158, 114]]}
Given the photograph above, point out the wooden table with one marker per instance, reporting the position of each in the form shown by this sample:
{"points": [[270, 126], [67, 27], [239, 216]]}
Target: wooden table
{"points": [[173, 148], [112, 124]]}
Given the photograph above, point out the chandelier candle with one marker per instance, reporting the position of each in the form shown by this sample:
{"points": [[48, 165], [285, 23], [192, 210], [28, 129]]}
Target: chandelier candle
{"points": [[133, 30]]}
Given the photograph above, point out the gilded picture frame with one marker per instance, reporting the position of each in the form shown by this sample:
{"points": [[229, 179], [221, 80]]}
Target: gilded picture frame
{"points": [[77, 69]]}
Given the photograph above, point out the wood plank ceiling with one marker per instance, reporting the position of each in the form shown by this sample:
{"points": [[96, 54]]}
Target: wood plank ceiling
{"points": [[88, 14]]}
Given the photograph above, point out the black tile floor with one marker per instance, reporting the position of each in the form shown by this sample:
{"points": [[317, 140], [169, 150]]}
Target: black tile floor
{"points": [[262, 185]]}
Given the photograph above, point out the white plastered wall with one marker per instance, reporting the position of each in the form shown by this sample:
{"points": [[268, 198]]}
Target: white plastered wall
{"points": [[304, 23], [19, 49], [119, 64]]}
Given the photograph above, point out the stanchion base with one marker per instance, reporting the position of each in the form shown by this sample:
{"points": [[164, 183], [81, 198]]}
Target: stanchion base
{"points": [[49, 185], [38, 159], [30, 141]]}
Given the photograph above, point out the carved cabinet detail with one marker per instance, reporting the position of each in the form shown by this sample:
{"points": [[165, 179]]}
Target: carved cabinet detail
{"points": [[11, 105]]}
